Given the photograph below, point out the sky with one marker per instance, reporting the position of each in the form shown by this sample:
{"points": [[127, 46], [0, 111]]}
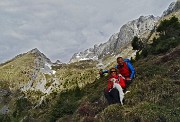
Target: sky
{"points": [[60, 28]]}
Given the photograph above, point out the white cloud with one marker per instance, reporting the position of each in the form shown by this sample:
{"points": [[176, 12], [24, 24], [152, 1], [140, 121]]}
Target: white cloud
{"points": [[60, 28]]}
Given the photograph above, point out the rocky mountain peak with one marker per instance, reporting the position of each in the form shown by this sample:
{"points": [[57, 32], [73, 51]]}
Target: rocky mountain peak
{"points": [[40, 55], [58, 62], [140, 27], [169, 10], [35, 51], [174, 6]]}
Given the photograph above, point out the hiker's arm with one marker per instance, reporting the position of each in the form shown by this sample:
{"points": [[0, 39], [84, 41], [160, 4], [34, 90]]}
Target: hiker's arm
{"points": [[110, 85], [132, 70], [106, 71]]}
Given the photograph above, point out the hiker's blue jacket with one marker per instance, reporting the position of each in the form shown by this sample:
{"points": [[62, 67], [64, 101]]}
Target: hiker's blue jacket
{"points": [[130, 67]]}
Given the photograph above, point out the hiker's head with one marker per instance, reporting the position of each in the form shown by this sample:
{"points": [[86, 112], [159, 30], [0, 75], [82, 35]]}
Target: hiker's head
{"points": [[113, 71], [120, 61]]}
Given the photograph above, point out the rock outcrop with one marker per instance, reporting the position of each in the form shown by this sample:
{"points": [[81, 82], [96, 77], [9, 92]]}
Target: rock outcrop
{"points": [[173, 7], [140, 27]]}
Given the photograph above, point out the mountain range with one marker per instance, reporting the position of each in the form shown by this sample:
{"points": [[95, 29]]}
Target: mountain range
{"points": [[32, 88], [140, 27]]}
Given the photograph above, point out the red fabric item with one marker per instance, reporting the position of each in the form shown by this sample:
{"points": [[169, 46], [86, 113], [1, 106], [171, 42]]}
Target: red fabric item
{"points": [[121, 82], [124, 70]]}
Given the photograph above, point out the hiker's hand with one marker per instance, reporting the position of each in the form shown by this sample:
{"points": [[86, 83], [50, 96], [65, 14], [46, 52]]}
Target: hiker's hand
{"points": [[101, 74], [128, 78], [113, 80]]}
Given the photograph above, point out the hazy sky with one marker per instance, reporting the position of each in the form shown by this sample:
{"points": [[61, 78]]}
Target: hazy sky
{"points": [[60, 28]]}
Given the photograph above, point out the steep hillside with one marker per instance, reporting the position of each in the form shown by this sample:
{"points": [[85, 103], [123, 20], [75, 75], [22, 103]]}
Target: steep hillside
{"points": [[154, 96], [30, 81], [17, 71], [155, 92]]}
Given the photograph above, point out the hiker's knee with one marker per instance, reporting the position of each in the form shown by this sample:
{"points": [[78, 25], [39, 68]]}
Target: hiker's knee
{"points": [[114, 91], [128, 82]]}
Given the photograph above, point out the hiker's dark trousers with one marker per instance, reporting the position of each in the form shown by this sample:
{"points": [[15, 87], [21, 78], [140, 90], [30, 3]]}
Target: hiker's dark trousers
{"points": [[127, 82], [112, 96]]}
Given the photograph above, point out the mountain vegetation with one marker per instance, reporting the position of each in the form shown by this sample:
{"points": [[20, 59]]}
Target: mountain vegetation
{"points": [[154, 93], [17, 71], [75, 91], [169, 37]]}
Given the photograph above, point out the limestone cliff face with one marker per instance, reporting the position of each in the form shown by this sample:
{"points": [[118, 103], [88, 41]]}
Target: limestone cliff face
{"points": [[140, 27], [173, 7], [40, 57]]}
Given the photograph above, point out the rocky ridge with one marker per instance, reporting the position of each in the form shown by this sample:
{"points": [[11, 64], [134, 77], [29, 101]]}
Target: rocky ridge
{"points": [[140, 27], [41, 82], [174, 6]]}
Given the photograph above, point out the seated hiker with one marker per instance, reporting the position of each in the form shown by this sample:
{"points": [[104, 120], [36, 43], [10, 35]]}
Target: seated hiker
{"points": [[114, 92], [125, 69]]}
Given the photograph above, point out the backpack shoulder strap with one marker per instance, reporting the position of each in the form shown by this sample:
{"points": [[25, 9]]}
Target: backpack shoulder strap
{"points": [[127, 60]]}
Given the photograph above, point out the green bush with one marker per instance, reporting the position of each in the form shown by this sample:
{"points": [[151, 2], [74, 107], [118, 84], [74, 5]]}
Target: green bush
{"points": [[136, 43], [137, 56], [145, 52], [66, 104], [164, 45], [169, 38], [22, 105], [5, 118]]}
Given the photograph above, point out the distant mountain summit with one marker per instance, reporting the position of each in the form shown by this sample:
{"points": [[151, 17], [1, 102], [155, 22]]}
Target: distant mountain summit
{"points": [[173, 7], [169, 10], [40, 55], [58, 62], [140, 27], [35, 51], [27, 65]]}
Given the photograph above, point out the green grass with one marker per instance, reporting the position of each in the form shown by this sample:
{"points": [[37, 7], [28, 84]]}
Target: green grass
{"points": [[17, 71], [154, 94], [70, 78], [67, 103]]}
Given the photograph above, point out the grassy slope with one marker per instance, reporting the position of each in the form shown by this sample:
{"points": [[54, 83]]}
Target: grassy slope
{"points": [[154, 96], [13, 74], [17, 71], [155, 92]]}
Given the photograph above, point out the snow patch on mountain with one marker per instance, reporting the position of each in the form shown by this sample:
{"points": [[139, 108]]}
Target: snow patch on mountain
{"points": [[43, 66], [140, 27], [47, 69]]}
